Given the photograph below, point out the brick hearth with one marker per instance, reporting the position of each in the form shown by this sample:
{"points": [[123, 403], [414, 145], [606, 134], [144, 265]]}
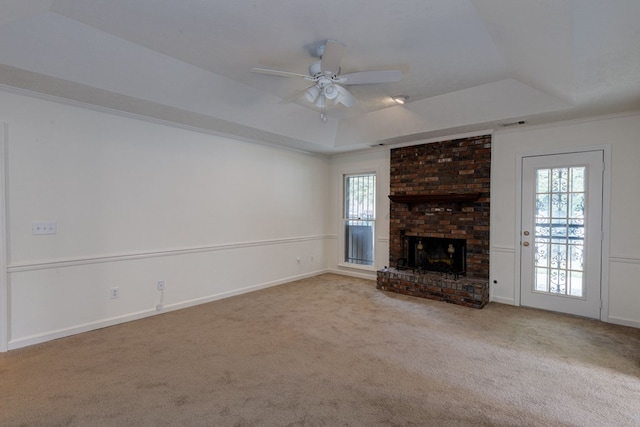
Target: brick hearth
{"points": [[422, 174], [463, 291]]}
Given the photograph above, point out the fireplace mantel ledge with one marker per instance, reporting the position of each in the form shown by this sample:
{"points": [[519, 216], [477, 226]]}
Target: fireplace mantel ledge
{"points": [[435, 198]]}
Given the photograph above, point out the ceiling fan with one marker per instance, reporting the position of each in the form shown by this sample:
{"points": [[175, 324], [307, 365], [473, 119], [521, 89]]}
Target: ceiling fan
{"points": [[328, 83]]}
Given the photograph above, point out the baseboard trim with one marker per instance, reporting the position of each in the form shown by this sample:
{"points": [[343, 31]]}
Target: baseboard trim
{"points": [[91, 326], [74, 330], [87, 327], [235, 292], [503, 300], [623, 322]]}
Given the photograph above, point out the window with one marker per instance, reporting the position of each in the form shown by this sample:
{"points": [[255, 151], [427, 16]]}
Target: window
{"points": [[359, 217]]}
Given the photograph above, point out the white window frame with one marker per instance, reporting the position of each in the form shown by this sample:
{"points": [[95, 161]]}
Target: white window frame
{"points": [[343, 222]]}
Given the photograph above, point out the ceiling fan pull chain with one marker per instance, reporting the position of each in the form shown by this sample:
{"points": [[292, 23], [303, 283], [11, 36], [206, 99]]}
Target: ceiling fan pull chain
{"points": [[323, 115]]}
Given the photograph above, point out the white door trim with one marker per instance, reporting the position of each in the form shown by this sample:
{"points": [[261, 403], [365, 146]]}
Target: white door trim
{"points": [[606, 219], [4, 288]]}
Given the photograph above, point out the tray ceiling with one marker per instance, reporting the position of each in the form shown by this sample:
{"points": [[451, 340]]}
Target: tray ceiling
{"points": [[468, 65]]}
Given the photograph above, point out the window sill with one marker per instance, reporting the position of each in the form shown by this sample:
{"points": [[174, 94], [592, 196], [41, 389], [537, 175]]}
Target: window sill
{"points": [[357, 266]]}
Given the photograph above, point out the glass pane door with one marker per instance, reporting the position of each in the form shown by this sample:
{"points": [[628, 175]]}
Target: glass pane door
{"points": [[560, 239], [559, 231]]}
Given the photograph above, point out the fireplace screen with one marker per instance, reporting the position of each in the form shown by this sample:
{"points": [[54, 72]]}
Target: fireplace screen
{"points": [[435, 254]]}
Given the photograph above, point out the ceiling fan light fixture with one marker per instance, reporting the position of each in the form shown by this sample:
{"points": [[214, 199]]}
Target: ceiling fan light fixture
{"points": [[330, 92], [344, 97], [312, 93], [400, 99]]}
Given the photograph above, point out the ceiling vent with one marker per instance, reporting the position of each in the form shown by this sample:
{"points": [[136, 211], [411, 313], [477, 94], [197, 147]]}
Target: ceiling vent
{"points": [[511, 124]]}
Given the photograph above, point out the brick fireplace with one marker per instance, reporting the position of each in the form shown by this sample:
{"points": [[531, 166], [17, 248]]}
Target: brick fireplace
{"points": [[440, 199]]}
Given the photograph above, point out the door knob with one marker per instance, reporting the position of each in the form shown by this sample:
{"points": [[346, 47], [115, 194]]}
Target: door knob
{"points": [[525, 243], [526, 233]]}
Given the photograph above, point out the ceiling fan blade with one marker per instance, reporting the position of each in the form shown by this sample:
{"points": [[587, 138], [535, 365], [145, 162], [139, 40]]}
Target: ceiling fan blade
{"points": [[279, 73], [345, 97], [294, 95], [370, 77], [332, 57]]}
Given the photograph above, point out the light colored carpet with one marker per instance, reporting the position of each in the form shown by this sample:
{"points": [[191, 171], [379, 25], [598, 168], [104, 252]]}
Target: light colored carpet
{"points": [[331, 351]]}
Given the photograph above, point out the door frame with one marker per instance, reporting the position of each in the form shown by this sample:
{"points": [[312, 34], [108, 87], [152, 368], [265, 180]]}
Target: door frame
{"points": [[606, 219], [4, 287]]}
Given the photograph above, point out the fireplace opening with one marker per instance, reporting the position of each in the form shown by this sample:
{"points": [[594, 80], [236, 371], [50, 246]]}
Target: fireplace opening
{"points": [[437, 254]]}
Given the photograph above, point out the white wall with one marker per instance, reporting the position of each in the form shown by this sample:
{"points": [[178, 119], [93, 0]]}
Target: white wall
{"points": [[136, 202], [622, 134], [375, 160]]}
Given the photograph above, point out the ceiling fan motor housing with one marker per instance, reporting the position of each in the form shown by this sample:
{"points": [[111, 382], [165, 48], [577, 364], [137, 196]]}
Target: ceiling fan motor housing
{"points": [[315, 69]]}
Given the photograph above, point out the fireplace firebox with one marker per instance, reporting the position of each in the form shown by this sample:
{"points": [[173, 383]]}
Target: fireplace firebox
{"points": [[436, 254]]}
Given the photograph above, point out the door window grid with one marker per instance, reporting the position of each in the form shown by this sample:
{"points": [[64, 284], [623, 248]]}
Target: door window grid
{"points": [[359, 218], [559, 235]]}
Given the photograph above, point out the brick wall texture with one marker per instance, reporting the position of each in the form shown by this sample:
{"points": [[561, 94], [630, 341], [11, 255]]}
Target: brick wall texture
{"points": [[456, 166]]}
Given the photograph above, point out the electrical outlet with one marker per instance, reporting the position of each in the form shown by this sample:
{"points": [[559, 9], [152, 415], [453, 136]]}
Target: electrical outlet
{"points": [[44, 227], [115, 293], [161, 285]]}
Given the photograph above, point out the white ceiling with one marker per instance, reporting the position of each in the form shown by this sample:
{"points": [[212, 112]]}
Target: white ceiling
{"points": [[468, 65]]}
